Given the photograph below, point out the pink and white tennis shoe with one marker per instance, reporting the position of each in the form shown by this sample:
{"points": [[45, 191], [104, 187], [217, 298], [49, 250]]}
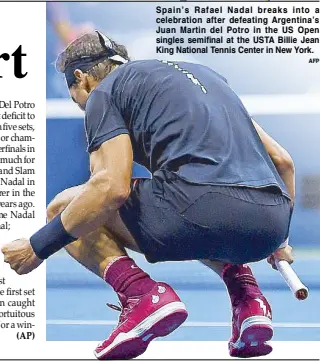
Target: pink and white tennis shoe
{"points": [[142, 318], [251, 327]]}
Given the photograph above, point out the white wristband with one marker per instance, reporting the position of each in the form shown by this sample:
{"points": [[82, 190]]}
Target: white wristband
{"points": [[284, 244]]}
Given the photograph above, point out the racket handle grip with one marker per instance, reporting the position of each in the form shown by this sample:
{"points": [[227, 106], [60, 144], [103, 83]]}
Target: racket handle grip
{"points": [[299, 290]]}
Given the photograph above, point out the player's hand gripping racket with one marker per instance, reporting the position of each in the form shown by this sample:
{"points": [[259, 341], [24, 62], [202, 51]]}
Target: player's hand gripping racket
{"points": [[300, 291]]}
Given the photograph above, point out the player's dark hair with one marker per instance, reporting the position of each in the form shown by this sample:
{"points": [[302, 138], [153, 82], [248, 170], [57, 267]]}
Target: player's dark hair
{"points": [[89, 45]]}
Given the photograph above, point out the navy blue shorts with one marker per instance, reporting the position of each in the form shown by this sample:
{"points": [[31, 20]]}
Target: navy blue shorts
{"points": [[173, 220]]}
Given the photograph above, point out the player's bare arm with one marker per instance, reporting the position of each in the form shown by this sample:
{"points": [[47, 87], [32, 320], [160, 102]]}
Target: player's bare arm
{"points": [[107, 189]]}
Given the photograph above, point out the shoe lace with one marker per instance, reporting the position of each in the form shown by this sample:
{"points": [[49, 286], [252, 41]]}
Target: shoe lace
{"points": [[123, 309]]}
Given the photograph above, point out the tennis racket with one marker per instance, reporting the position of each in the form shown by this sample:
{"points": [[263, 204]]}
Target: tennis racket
{"points": [[299, 290]]}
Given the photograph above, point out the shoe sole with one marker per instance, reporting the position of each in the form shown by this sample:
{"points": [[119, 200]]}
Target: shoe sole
{"points": [[255, 333], [135, 342]]}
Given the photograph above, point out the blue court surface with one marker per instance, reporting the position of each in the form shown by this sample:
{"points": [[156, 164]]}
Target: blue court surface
{"points": [[76, 299]]}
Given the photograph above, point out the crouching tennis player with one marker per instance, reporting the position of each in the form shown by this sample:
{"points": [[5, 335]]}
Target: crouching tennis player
{"points": [[221, 192]]}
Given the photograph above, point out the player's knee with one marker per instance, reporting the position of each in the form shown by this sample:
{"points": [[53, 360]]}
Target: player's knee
{"points": [[54, 208], [51, 211], [61, 201]]}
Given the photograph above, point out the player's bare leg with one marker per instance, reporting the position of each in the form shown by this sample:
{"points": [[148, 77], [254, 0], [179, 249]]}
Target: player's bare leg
{"points": [[251, 312], [149, 309]]}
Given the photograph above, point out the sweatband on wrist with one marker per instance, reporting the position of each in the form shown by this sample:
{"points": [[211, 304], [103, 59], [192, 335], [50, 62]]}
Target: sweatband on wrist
{"points": [[50, 239]]}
